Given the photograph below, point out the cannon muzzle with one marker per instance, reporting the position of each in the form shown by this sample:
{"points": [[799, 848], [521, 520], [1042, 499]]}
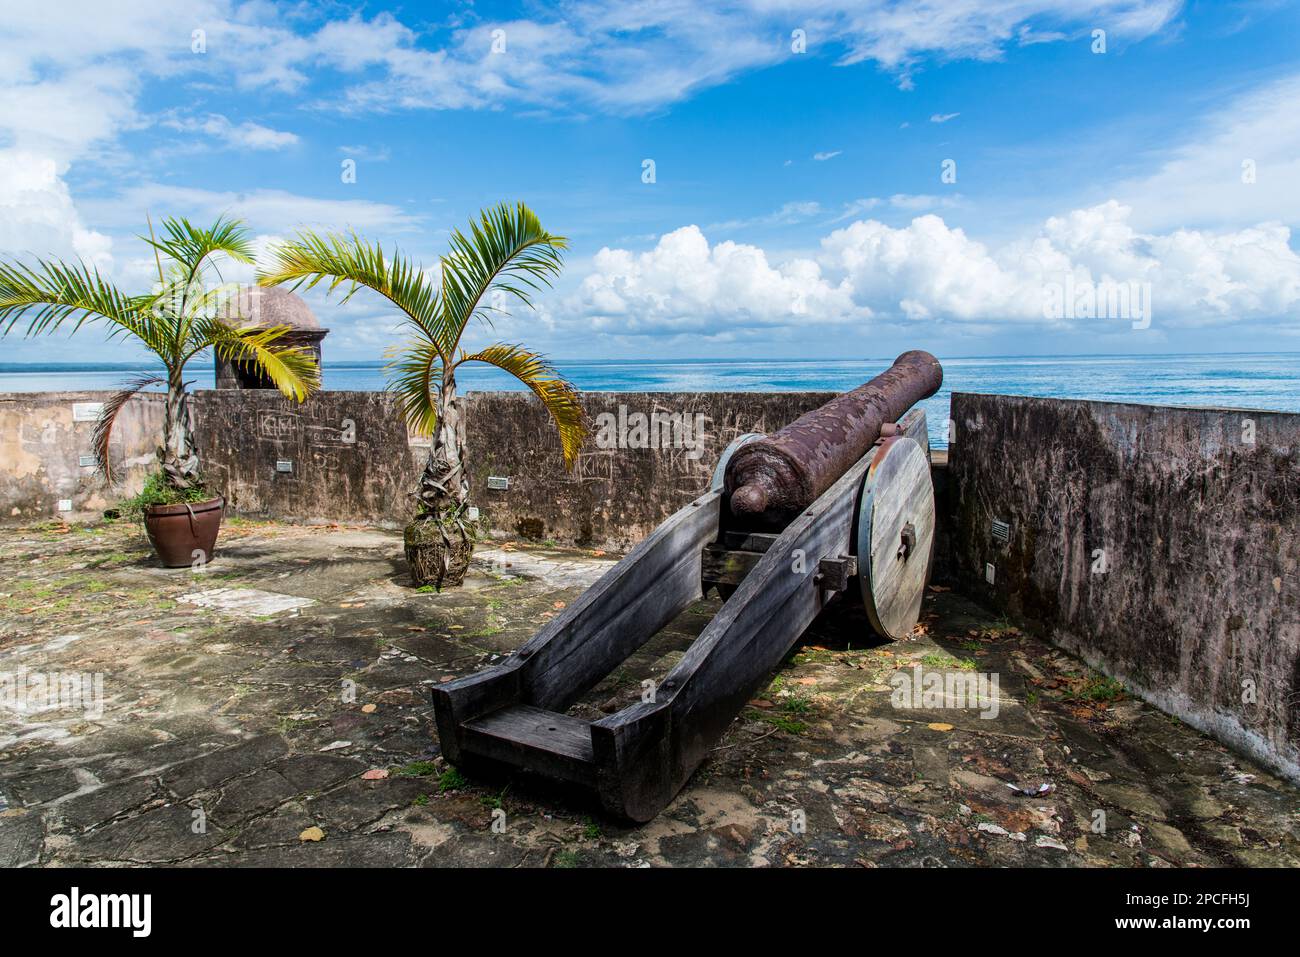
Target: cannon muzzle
{"points": [[772, 479]]}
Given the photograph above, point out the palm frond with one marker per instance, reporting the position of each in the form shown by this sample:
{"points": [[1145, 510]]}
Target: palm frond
{"points": [[310, 258], [557, 395], [50, 292], [507, 250], [292, 369], [102, 434], [415, 374], [190, 246]]}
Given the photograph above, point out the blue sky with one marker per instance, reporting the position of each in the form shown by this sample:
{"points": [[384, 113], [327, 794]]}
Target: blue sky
{"points": [[797, 207]]}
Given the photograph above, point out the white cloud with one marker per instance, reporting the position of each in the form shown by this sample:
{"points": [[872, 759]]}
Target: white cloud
{"points": [[246, 135], [70, 72], [633, 56], [265, 209], [67, 89], [906, 202], [822, 157], [37, 215], [898, 37], [943, 117], [787, 215], [67, 93], [928, 271], [1200, 181], [612, 55], [914, 202], [371, 154], [685, 286]]}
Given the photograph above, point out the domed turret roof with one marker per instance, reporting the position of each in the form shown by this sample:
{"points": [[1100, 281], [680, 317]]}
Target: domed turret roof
{"points": [[270, 306]]}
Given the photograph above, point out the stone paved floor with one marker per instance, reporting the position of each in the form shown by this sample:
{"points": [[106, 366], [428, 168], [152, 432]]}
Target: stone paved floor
{"points": [[225, 736]]}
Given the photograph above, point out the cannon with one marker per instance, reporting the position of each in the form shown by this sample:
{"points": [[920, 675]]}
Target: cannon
{"points": [[773, 478], [838, 502]]}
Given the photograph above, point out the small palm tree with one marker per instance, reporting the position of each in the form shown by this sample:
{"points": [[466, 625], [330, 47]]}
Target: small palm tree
{"points": [[184, 316], [507, 253]]}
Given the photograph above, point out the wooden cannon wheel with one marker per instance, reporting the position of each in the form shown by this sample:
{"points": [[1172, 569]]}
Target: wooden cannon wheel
{"points": [[895, 532]]}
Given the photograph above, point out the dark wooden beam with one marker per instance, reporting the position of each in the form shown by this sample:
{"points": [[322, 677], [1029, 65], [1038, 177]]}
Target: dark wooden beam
{"points": [[648, 751], [542, 741], [723, 566]]}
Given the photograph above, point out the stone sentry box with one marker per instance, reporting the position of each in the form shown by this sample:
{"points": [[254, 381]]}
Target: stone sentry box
{"points": [[268, 306], [1161, 545]]}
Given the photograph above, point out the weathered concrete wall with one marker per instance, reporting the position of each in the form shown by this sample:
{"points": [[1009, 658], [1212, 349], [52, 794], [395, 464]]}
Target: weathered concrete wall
{"points": [[614, 496], [348, 455], [41, 443], [1160, 544], [352, 460]]}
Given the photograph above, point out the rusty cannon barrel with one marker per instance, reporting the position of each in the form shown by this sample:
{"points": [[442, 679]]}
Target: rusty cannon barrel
{"points": [[772, 479]]}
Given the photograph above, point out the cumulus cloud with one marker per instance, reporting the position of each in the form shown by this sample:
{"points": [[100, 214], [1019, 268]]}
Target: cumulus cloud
{"points": [[685, 285], [37, 215], [929, 271]]}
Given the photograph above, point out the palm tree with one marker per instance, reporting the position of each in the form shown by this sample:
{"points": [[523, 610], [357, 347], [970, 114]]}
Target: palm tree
{"points": [[507, 253], [181, 318]]}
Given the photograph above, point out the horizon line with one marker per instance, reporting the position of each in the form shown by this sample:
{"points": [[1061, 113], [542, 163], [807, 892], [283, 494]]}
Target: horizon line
{"points": [[18, 367]]}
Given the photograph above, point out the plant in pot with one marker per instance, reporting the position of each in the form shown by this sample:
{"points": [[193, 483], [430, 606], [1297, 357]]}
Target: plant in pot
{"points": [[183, 317], [507, 253]]}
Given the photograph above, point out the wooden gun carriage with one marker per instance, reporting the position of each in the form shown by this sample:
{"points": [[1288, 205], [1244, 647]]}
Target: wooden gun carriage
{"points": [[839, 501]]}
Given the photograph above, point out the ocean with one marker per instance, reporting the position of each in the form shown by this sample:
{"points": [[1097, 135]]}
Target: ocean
{"points": [[1242, 381]]}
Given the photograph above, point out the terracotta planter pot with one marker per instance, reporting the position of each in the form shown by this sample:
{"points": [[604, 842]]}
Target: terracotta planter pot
{"points": [[186, 533], [434, 561]]}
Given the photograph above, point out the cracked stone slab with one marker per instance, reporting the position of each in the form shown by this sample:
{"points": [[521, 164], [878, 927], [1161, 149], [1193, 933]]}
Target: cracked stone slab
{"points": [[44, 785], [21, 837], [388, 849], [315, 772], [553, 571], [248, 602], [359, 802], [208, 770], [279, 828], [253, 795], [106, 803], [170, 833]]}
